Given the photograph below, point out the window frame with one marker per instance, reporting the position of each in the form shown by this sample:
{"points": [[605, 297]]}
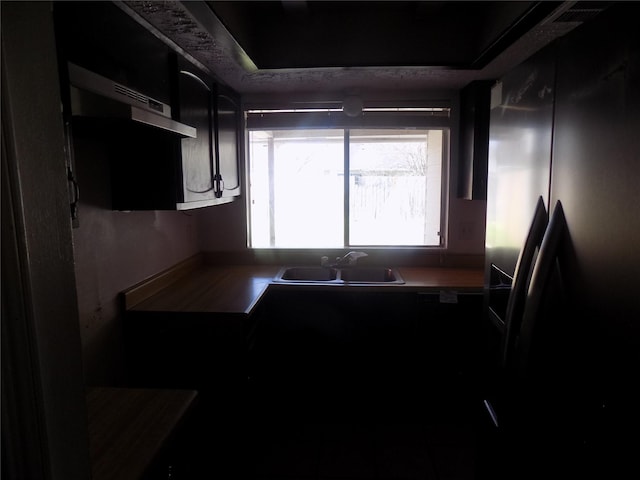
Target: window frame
{"points": [[436, 117]]}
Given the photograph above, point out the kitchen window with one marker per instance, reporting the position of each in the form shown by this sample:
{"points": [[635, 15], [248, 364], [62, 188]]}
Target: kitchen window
{"points": [[376, 181]]}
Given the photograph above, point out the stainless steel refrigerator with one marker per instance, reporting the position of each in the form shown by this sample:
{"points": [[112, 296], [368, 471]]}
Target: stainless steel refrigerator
{"points": [[565, 131]]}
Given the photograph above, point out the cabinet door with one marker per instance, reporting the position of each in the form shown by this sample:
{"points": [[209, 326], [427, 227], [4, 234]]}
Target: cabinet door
{"points": [[195, 104], [227, 121], [475, 102]]}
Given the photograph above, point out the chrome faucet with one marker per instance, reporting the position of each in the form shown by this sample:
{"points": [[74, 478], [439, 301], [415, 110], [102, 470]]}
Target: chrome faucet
{"points": [[348, 259]]}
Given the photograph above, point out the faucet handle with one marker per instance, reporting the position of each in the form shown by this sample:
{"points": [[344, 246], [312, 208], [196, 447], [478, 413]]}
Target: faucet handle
{"points": [[324, 261], [352, 257]]}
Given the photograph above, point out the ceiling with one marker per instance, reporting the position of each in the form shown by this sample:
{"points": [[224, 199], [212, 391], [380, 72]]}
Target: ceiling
{"points": [[324, 34], [354, 47]]}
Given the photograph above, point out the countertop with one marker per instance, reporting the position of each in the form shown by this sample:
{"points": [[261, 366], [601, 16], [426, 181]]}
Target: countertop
{"points": [[237, 289], [128, 427]]}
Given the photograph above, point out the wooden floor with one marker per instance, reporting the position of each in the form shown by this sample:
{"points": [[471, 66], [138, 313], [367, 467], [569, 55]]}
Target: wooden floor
{"points": [[306, 433]]}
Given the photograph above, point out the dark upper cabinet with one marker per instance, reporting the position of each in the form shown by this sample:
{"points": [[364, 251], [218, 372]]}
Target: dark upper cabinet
{"points": [[151, 168], [227, 142], [209, 162], [194, 106], [163, 173], [475, 102]]}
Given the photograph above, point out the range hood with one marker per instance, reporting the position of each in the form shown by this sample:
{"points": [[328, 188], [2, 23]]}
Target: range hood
{"points": [[93, 95]]}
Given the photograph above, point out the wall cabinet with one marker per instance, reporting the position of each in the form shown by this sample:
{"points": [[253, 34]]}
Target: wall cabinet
{"points": [[209, 162], [151, 168], [475, 100], [227, 142], [195, 155], [193, 172]]}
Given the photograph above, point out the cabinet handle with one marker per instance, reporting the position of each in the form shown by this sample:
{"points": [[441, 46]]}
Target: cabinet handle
{"points": [[196, 78], [75, 195], [219, 185]]}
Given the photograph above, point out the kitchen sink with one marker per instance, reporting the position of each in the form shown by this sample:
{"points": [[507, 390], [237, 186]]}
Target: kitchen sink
{"points": [[339, 275], [308, 274], [369, 275]]}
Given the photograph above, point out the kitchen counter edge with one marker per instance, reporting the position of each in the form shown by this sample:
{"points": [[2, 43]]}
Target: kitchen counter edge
{"points": [[191, 287]]}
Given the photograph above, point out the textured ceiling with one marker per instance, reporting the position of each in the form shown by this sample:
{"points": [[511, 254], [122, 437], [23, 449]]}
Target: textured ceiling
{"points": [[194, 28], [313, 34]]}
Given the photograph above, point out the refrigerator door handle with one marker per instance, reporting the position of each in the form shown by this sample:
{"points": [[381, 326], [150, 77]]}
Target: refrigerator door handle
{"points": [[540, 278], [520, 283]]}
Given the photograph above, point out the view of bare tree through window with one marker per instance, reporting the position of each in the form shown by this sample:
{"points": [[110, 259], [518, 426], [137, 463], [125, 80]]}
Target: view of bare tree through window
{"points": [[297, 187], [390, 199]]}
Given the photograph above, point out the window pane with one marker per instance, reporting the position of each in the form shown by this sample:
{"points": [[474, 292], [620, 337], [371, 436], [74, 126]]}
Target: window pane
{"points": [[395, 187], [296, 188]]}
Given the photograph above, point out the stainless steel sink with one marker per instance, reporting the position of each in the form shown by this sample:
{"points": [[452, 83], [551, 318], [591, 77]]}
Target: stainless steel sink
{"points": [[308, 274], [340, 275], [369, 275]]}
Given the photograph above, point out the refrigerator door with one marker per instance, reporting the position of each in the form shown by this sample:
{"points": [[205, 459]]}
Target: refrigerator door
{"points": [[520, 137], [519, 166], [596, 175]]}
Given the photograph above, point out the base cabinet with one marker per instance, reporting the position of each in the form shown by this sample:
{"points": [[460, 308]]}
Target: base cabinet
{"points": [[187, 351], [365, 353], [201, 352]]}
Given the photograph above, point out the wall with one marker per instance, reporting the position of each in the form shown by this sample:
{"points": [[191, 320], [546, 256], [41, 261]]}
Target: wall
{"points": [[44, 424], [223, 228], [113, 251], [466, 218], [466, 226]]}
